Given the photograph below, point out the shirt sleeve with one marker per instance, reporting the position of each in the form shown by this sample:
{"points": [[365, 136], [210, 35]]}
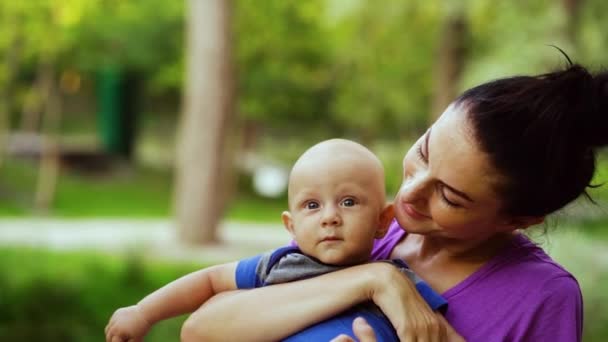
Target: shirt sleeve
{"points": [[246, 273], [432, 298], [559, 316], [384, 247]]}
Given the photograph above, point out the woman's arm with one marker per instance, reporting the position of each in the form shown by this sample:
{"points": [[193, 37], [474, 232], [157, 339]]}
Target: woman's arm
{"points": [[278, 311]]}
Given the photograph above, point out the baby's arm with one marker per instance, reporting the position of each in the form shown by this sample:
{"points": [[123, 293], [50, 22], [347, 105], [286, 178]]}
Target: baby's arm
{"points": [[181, 296]]}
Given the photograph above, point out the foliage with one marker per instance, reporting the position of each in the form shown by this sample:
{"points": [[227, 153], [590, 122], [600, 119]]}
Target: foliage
{"points": [[348, 67], [383, 59], [283, 67], [70, 296], [145, 36], [306, 70]]}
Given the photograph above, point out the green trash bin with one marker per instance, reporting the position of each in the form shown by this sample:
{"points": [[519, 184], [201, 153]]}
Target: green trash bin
{"points": [[117, 110]]}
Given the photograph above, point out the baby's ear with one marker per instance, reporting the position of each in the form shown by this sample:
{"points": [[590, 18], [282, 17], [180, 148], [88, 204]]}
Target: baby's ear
{"points": [[386, 217], [288, 222]]}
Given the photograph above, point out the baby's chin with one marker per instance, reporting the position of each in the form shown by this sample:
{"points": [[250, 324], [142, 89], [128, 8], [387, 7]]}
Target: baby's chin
{"points": [[342, 260]]}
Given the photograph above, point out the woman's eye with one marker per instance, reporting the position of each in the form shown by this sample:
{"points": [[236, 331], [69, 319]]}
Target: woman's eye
{"points": [[349, 202], [447, 201], [312, 205], [419, 153]]}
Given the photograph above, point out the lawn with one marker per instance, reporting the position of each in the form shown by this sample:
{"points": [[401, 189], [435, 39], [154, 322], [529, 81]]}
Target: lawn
{"points": [[130, 192]]}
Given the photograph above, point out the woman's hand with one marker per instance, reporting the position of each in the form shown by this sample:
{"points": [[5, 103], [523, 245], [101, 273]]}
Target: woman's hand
{"points": [[362, 330], [365, 333], [410, 315]]}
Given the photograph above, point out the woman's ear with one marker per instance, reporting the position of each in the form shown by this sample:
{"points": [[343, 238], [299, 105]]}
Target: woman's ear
{"points": [[384, 221], [288, 223]]}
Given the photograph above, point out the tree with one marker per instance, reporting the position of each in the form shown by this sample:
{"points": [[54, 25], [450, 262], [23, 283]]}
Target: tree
{"points": [[449, 61], [384, 57], [208, 103], [281, 53]]}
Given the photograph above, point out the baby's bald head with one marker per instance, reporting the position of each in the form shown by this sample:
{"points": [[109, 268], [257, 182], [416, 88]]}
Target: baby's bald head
{"points": [[342, 156]]}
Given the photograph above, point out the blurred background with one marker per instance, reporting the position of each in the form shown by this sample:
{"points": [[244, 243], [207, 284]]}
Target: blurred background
{"points": [[143, 139]]}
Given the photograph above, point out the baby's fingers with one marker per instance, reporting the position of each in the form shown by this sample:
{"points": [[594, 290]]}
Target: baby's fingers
{"points": [[107, 332]]}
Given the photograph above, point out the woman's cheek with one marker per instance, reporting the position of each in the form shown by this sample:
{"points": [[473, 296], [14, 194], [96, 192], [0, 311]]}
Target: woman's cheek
{"points": [[449, 222]]}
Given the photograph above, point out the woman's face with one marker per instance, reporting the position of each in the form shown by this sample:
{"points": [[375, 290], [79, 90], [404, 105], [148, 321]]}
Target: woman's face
{"points": [[448, 187]]}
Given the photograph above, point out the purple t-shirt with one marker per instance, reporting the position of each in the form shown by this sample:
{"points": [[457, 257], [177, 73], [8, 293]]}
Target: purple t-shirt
{"points": [[519, 295]]}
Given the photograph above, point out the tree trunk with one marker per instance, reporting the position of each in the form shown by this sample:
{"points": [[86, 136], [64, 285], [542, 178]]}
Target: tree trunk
{"points": [[12, 61], [208, 104], [449, 63], [48, 173], [31, 114], [572, 9]]}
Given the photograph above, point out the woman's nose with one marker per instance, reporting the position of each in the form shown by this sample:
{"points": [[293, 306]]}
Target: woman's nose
{"points": [[415, 187], [331, 217]]}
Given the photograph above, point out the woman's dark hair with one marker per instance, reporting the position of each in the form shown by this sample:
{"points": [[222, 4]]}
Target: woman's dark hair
{"points": [[541, 133]]}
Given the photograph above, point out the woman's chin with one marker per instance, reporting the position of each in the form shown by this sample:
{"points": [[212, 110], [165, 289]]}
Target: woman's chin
{"points": [[419, 228]]}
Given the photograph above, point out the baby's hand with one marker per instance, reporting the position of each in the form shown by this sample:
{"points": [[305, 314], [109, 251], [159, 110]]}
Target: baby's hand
{"points": [[127, 324]]}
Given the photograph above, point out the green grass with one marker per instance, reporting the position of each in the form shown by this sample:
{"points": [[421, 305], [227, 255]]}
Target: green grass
{"points": [[53, 296], [125, 193], [249, 208], [128, 192]]}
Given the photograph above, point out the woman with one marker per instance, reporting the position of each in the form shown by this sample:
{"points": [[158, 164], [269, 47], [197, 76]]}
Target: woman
{"points": [[502, 157]]}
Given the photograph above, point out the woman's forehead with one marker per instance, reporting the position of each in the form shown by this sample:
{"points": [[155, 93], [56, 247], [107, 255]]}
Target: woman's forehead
{"points": [[456, 158]]}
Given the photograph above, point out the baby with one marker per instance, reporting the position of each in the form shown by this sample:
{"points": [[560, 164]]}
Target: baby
{"points": [[337, 207]]}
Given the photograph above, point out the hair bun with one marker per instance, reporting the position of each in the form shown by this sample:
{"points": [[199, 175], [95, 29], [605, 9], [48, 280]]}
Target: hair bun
{"points": [[598, 121]]}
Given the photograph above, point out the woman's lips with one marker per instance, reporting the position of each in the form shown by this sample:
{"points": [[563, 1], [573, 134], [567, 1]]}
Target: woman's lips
{"points": [[409, 209]]}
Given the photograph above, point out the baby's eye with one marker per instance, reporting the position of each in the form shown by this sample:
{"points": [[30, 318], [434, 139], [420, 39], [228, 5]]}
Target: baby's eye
{"points": [[311, 205], [348, 202]]}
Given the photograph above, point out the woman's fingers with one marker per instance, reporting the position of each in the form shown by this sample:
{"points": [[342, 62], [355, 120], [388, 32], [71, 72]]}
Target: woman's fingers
{"points": [[363, 331], [342, 338]]}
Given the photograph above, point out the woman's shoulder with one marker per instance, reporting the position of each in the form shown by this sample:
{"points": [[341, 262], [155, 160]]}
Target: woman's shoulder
{"points": [[521, 293], [526, 257], [523, 267]]}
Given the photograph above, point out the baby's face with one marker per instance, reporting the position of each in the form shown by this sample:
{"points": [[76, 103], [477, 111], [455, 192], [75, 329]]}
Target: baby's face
{"points": [[335, 207]]}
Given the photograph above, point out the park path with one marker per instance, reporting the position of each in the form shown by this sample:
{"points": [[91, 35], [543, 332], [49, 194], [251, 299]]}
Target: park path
{"points": [[157, 238], [154, 238]]}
